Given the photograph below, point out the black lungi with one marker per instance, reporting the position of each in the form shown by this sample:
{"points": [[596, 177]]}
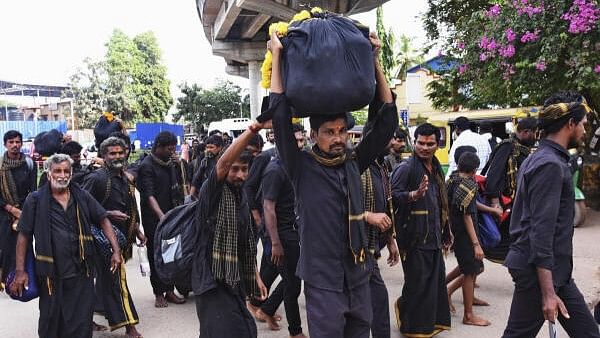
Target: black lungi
{"points": [[68, 312], [113, 294], [424, 309], [223, 313], [333, 314], [526, 316]]}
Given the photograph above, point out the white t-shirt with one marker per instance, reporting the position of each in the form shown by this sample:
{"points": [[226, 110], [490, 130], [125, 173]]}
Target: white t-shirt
{"points": [[469, 138]]}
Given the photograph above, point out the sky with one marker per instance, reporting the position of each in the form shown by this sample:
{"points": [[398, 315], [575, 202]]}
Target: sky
{"points": [[45, 41]]}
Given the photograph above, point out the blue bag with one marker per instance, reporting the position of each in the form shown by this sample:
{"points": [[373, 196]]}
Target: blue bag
{"points": [[103, 244], [32, 291], [489, 235]]}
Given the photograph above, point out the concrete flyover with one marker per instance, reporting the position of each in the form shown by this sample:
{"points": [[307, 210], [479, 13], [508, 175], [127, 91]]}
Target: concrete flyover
{"points": [[237, 31]]}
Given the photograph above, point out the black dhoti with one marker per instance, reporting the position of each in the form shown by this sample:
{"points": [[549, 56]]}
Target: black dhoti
{"points": [[113, 294], [223, 313], [424, 309], [67, 310]]}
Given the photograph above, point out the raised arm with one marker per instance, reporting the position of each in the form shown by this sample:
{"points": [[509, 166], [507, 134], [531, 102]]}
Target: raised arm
{"points": [[383, 117], [232, 153], [282, 118]]}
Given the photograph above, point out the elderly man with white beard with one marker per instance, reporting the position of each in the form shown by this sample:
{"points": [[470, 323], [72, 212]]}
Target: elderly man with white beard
{"points": [[59, 218]]}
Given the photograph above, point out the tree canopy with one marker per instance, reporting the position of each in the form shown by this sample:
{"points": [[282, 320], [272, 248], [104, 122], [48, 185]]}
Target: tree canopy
{"points": [[199, 106], [130, 80]]}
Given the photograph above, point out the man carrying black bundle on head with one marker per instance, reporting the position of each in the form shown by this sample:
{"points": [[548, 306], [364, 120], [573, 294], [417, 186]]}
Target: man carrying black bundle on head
{"points": [[335, 258], [161, 189], [419, 193], [18, 176], [114, 189], [214, 146], [224, 269], [540, 259]]}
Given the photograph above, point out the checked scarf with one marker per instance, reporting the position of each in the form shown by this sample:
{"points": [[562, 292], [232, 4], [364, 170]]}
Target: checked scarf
{"points": [[231, 264], [462, 191], [177, 193], [8, 186]]}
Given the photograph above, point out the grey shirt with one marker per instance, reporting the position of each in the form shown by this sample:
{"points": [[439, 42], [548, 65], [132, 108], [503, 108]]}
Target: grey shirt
{"points": [[542, 216]]}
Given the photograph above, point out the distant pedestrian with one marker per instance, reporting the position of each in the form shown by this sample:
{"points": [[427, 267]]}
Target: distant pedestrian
{"points": [[467, 137]]}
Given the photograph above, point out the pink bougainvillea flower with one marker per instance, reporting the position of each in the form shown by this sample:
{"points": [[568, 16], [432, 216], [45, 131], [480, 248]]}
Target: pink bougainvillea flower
{"points": [[483, 57], [582, 16], [510, 35], [541, 66], [462, 69], [530, 36], [597, 69], [507, 51], [494, 11]]}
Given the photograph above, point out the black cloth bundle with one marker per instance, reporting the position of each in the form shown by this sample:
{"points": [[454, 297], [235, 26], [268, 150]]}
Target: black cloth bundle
{"points": [[103, 128], [327, 65], [48, 143]]}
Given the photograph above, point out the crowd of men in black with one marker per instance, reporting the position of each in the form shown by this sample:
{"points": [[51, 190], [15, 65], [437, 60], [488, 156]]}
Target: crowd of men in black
{"points": [[323, 213]]}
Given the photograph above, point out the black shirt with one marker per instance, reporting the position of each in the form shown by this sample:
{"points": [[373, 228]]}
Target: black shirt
{"points": [[206, 166], [380, 201], [117, 198], [154, 180], [541, 224], [25, 182], [252, 186], [400, 191], [326, 261], [64, 232], [277, 187], [208, 204], [496, 178]]}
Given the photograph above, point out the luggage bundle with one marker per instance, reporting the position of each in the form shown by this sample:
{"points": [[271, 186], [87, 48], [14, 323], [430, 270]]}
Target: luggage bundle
{"points": [[327, 63], [106, 125], [48, 143]]}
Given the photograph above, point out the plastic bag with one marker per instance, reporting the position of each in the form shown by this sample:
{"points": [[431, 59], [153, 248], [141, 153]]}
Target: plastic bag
{"points": [[144, 263]]}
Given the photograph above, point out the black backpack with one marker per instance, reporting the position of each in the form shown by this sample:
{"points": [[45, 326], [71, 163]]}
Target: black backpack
{"points": [[174, 245]]}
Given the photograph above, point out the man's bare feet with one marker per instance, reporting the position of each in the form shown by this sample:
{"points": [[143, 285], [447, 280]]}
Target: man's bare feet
{"points": [[132, 332], [160, 301], [301, 335], [270, 320], [252, 309], [277, 317], [172, 298], [480, 302], [98, 327], [471, 319], [452, 308]]}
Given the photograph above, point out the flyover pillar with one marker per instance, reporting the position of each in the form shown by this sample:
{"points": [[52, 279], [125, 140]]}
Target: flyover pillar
{"points": [[256, 91]]}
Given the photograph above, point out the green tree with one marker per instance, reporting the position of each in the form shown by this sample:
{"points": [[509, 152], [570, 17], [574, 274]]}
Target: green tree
{"points": [[442, 16], [199, 106], [406, 56], [88, 86], [386, 55], [130, 80], [138, 86]]}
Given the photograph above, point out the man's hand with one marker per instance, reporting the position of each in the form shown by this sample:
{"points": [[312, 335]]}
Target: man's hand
{"points": [[380, 220], [376, 43], [423, 186], [498, 212], [274, 45], [479, 255], [117, 215], [115, 261], [15, 212], [256, 216], [264, 293], [21, 282], [141, 237], [277, 254], [394, 256], [448, 239], [551, 304]]}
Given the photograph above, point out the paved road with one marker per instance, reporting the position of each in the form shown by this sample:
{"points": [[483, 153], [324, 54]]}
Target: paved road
{"points": [[18, 320]]}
